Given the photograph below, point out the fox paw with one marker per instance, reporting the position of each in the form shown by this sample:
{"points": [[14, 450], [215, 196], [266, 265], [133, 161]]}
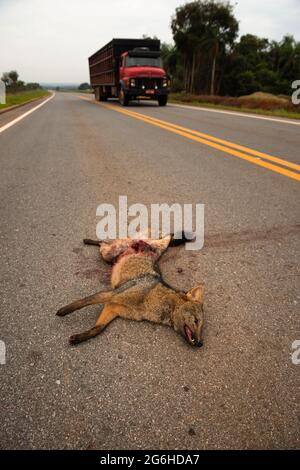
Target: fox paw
{"points": [[60, 312], [64, 311], [75, 339]]}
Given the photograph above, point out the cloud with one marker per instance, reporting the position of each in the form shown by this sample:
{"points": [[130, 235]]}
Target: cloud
{"points": [[268, 18], [50, 40]]}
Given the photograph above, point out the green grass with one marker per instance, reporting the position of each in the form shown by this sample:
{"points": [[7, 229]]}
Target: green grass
{"points": [[13, 99], [264, 112]]}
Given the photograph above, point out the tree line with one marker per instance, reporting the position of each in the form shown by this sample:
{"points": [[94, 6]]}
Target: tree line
{"points": [[207, 56], [13, 84]]}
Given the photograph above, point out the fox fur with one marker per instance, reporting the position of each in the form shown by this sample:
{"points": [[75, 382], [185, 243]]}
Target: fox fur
{"points": [[138, 291]]}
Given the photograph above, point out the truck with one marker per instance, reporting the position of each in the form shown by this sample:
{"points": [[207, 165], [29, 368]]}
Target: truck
{"points": [[129, 69]]}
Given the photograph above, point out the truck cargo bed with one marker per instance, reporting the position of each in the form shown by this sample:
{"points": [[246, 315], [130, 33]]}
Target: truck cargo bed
{"points": [[104, 64]]}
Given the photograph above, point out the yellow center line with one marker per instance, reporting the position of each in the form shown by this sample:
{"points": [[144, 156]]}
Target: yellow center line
{"points": [[214, 142], [221, 141]]}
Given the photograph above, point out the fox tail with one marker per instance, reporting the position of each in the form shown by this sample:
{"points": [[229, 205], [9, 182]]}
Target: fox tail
{"points": [[180, 238], [87, 241]]}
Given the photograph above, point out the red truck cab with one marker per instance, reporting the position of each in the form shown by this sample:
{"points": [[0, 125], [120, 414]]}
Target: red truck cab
{"points": [[142, 75]]}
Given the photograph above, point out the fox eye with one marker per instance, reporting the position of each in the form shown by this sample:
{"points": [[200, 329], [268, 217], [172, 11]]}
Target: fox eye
{"points": [[196, 321]]}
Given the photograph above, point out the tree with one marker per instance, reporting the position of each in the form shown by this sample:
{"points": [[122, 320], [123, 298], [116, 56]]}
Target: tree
{"points": [[249, 56], [11, 80], [5, 78], [172, 64], [257, 64], [220, 32], [33, 86], [19, 85], [202, 31], [146, 36], [13, 76], [285, 61], [13, 84], [84, 86], [187, 29]]}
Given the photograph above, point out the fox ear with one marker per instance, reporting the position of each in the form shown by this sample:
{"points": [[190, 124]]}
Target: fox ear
{"points": [[196, 294]]}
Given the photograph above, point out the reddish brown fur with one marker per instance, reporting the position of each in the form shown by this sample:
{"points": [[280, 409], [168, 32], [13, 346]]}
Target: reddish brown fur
{"points": [[138, 292]]}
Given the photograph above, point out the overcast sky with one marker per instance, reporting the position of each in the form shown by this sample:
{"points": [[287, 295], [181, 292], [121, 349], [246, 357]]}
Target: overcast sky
{"points": [[50, 40]]}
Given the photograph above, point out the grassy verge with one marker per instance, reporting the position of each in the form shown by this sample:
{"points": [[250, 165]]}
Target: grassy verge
{"points": [[23, 97], [243, 105]]}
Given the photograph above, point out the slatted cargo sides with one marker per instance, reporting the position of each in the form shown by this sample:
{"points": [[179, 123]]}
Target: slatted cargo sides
{"points": [[104, 64]]}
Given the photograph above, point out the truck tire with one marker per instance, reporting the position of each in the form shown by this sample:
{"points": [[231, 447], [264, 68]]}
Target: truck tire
{"points": [[97, 94], [103, 96], [162, 100], [123, 98]]}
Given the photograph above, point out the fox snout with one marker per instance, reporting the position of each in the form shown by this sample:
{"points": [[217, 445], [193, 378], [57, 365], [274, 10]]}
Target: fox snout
{"points": [[191, 338], [189, 321]]}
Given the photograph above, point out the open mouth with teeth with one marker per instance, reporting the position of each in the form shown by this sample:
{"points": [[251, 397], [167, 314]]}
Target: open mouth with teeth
{"points": [[189, 335]]}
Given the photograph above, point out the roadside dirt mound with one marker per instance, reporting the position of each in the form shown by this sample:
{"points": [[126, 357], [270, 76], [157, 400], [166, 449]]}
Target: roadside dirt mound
{"points": [[258, 100], [260, 96]]}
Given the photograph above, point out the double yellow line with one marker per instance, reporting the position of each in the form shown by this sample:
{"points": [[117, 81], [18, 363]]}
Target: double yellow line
{"points": [[264, 160]]}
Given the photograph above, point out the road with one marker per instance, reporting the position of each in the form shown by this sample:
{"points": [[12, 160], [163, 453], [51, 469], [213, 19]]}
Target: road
{"points": [[140, 386]]}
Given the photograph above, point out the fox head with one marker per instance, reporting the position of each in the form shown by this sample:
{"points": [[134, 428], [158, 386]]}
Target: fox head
{"points": [[188, 318]]}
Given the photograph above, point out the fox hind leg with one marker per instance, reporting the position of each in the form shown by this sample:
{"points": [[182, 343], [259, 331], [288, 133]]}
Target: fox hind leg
{"points": [[110, 312], [98, 298], [107, 315], [79, 338]]}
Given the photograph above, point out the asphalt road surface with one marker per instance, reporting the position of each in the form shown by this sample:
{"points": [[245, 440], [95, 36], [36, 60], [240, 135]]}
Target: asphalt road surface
{"points": [[139, 385]]}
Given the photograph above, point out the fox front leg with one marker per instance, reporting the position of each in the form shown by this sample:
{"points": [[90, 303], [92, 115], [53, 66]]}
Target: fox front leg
{"points": [[107, 315], [98, 298]]}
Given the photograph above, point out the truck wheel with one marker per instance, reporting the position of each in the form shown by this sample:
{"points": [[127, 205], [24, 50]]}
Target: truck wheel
{"points": [[102, 96], [162, 100], [123, 98], [97, 94]]}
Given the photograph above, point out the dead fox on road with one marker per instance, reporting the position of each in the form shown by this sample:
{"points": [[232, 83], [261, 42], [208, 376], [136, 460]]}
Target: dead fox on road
{"points": [[139, 292]]}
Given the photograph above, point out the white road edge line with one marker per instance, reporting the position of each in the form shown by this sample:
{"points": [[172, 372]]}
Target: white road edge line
{"points": [[233, 113], [19, 118]]}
